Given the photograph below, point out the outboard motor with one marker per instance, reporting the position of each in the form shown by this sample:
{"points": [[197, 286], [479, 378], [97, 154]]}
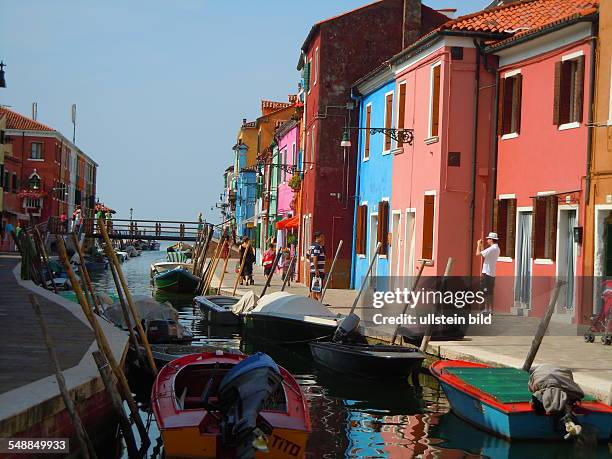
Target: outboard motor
{"points": [[243, 392], [348, 331], [555, 393]]}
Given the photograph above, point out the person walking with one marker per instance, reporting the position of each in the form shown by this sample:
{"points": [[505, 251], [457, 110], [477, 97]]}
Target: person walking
{"points": [[490, 254], [248, 255], [316, 256], [268, 259]]}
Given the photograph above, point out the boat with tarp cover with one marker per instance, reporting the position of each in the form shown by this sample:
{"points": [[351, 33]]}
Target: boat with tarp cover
{"points": [[220, 405], [498, 401]]}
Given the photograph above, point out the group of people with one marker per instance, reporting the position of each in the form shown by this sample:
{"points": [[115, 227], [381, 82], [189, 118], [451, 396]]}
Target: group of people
{"points": [[74, 224]]}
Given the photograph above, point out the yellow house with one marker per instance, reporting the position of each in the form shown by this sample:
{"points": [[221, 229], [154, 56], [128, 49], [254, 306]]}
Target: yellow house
{"points": [[598, 229]]}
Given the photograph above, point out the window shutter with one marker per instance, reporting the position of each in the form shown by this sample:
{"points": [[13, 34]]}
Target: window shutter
{"points": [[534, 225], [579, 89], [435, 101], [518, 95], [557, 100], [496, 215], [383, 226], [366, 148], [401, 112], [428, 227], [306, 76], [511, 232], [509, 95], [500, 106], [388, 119], [551, 213], [360, 239]]}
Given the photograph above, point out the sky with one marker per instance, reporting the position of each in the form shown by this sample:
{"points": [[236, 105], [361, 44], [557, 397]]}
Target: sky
{"points": [[161, 87]]}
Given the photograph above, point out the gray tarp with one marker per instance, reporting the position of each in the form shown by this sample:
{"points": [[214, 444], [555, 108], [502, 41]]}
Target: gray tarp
{"points": [[147, 308], [554, 387]]}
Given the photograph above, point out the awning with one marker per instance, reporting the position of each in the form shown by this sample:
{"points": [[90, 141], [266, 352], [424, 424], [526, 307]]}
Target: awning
{"points": [[288, 223]]}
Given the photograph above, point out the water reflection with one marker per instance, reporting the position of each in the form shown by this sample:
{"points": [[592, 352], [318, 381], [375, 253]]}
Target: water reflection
{"points": [[351, 418]]}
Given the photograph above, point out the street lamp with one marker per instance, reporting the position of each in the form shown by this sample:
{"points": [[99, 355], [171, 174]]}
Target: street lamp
{"points": [[346, 141]]}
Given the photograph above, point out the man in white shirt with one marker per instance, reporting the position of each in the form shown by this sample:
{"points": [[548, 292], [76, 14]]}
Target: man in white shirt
{"points": [[490, 256]]}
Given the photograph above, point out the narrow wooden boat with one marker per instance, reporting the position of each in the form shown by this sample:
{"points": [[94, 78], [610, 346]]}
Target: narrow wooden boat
{"points": [[93, 266], [497, 400], [219, 405], [177, 280], [290, 319], [217, 309], [163, 266], [370, 361]]}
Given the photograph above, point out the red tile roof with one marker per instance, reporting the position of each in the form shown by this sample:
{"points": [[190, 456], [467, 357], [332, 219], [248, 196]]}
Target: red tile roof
{"points": [[274, 105], [16, 120], [521, 17]]}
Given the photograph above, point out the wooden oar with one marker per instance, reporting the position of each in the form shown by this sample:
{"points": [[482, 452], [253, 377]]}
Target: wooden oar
{"points": [[85, 273], [289, 272], [412, 289], [229, 250], [331, 270], [271, 273], [365, 279], [244, 255], [214, 267]]}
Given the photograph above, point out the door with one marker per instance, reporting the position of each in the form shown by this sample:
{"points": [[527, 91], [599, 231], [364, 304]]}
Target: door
{"points": [[567, 257], [373, 241], [409, 244], [522, 281]]}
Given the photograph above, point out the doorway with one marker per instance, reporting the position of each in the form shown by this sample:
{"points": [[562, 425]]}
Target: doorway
{"points": [[566, 256], [373, 241], [409, 243], [522, 280], [396, 243]]}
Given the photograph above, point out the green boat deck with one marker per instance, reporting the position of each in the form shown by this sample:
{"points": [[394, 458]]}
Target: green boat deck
{"points": [[507, 385]]}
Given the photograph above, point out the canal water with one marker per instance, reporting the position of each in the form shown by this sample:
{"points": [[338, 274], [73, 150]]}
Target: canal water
{"points": [[351, 418]]}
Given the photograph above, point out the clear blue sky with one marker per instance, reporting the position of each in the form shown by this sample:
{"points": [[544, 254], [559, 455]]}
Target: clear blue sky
{"points": [[161, 86]]}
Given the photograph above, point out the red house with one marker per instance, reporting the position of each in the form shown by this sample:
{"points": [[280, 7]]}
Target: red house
{"points": [[336, 53], [44, 174]]}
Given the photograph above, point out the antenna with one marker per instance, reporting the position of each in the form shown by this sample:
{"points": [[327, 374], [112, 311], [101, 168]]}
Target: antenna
{"points": [[34, 110], [73, 123]]}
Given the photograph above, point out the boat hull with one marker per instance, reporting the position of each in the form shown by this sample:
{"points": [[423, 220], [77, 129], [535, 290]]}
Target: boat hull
{"points": [[176, 281], [285, 330], [375, 364], [217, 314], [516, 421]]}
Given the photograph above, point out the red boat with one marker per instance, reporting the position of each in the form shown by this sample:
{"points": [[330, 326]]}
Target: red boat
{"points": [[219, 405]]}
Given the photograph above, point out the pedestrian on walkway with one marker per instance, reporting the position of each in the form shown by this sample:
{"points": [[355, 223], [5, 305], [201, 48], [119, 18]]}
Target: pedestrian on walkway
{"points": [[490, 256], [316, 256], [246, 276], [268, 259]]}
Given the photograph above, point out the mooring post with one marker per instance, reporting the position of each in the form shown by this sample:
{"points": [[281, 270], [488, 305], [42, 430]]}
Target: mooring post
{"points": [[413, 287], [271, 273], [124, 310], [84, 442], [331, 270], [115, 398], [244, 255], [365, 279], [85, 273], [427, 335], [227, 256], [214, 267]]}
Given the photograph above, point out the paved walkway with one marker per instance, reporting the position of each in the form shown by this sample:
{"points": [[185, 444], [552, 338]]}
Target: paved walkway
{"points": [[591, 362]]}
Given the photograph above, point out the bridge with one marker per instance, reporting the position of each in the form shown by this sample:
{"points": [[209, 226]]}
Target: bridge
{"points": [[145, 230]]}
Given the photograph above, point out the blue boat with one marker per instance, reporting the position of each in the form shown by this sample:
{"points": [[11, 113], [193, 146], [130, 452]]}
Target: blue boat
{"points": [[497, 400]]}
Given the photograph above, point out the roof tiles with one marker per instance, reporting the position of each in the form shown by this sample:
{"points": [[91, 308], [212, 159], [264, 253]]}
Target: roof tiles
{"points": [[16, 120]]}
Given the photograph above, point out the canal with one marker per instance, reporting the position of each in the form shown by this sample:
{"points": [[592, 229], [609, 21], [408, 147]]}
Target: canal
{"points": [[351, 418]]}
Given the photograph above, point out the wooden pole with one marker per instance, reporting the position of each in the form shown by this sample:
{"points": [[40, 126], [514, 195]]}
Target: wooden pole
{"points": [[412, 289], [211, 274], [204, 279], [365, 279], [229, 250], [292, 261], [427, 336], [87, 449], [542, 327], [85, 273], [115, 398], [112, 258], [124, 310], [45, 257], [102, 341], [271, 273], [331, 270], [244, 255], [202, 257]]}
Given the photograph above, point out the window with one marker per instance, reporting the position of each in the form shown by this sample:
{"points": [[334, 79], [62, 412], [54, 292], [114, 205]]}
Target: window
{"points": [[36, 150], [428, 227], [569, 88], [401, 110], [434, 101], [388, 119], [383, 227], [310, 72], [2, 176], [361, 229], [504, 224], [7, 181], [14, 184], [368, 120], [509, 109], [294, 155], [544, 228]]}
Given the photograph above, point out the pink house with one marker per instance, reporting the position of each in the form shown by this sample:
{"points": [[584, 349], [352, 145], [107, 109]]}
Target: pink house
{"points": [[287, 138], [498, 103]]}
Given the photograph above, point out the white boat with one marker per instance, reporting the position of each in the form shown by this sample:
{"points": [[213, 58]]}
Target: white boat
{"points": [[163, 266], [122, 256], [288, 318]]}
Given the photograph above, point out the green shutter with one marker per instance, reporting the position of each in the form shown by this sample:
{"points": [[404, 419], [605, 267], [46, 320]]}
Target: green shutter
{"points": [[306, 76]]}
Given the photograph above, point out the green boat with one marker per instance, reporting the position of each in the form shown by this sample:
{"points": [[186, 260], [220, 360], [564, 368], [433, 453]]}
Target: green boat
{"points": [[177, 280]]}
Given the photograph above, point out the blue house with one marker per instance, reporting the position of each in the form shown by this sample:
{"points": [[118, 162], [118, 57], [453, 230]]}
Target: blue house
{"points": [[246, 193], [375, 94]]}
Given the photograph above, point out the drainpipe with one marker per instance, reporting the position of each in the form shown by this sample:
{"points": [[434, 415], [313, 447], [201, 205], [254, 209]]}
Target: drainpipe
{"points": [[474, 153], [357, 99], [587, 183]]}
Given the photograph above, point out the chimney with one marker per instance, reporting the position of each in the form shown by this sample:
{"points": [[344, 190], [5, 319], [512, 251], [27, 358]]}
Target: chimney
{"points": [[411, 30]]}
